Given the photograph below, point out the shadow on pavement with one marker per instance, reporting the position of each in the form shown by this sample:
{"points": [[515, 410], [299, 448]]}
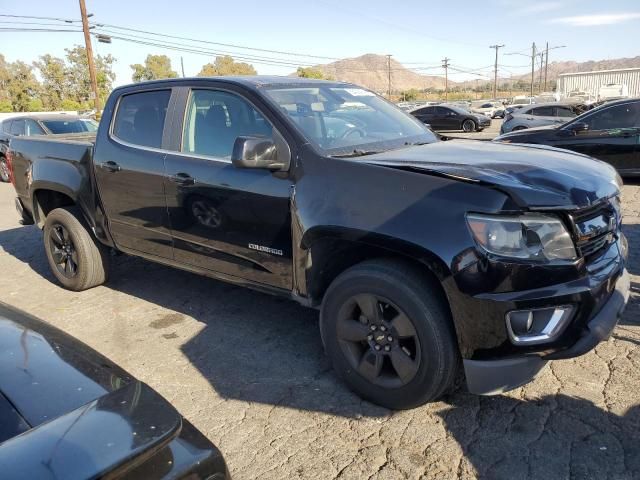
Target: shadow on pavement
{"points": [[255, 347], [555, 437], [259, 348]]}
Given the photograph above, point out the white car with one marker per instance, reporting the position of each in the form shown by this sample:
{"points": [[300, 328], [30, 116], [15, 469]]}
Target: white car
{"points": [[489, 109]]}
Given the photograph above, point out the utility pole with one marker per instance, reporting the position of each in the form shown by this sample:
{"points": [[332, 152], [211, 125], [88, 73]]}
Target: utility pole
{"points": [[92, 66], [445, 65], [541, 63], [533, 65], [389, 75], [182, 66], [495, 71], [546, 67]]}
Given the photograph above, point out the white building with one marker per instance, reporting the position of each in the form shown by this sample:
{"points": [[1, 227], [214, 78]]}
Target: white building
{"points": [[591, 82]]}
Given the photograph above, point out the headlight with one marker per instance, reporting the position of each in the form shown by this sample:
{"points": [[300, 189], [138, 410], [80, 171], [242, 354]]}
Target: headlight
{"points": [[528, 237]]}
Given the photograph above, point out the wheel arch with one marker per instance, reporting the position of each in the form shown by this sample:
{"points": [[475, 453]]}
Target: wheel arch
{"points": [[330, 251], [47, 197]]}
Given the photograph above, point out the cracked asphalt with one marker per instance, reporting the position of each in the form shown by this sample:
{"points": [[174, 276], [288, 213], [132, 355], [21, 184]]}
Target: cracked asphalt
{"points": [[248, 370]]}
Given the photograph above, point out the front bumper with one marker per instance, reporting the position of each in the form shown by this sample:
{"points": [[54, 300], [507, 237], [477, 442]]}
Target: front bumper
{"points": [[487, 377]]}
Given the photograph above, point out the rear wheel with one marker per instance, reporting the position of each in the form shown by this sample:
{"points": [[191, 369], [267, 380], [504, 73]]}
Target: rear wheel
{"points": [[4, 170], [76, 258], [468, 126], [389, 334]]}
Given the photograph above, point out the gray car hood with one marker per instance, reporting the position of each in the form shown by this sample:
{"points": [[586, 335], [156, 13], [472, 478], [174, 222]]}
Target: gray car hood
{"points": [[533, 175]]}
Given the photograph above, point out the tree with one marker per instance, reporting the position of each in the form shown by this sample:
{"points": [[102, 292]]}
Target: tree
{"points": [[410, 95], [310, 72], [53, 72], [78, 76], [5, 75], [226, 66], [22, 86], [155, 67]]}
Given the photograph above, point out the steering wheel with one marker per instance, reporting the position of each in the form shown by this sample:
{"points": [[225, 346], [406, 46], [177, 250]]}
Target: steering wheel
{"points": [[347, 133]]}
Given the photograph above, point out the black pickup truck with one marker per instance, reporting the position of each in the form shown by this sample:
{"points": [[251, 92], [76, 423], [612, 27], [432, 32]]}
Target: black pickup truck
{"points": [[422, 255]]}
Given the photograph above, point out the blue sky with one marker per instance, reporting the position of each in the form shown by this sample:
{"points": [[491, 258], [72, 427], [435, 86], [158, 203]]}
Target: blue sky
{"points": [[420, 32]]}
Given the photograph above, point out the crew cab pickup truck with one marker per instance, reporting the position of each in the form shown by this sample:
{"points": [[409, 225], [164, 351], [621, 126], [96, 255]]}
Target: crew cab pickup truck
{"points": [[422, 255]]}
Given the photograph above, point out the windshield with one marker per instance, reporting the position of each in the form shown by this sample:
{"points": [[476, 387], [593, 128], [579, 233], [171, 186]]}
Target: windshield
{"points": [[521, 101], [79, 125], [340, 120]]}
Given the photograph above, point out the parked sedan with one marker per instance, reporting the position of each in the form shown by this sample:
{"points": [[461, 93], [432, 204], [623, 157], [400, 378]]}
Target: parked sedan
{"points": [[537, 115], [68, 412], [450, 117], [489, 109], [39, 124], [610, 132]]}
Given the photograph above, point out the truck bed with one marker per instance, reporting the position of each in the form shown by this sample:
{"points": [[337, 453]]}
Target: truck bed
{"points": [[58, 158]]}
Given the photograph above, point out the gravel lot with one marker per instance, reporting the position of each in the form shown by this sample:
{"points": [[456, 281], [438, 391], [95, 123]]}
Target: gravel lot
{"points": [[248, 370]]}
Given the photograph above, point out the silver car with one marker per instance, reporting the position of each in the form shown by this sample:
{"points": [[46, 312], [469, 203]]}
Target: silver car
{"points": [[537, 115]]}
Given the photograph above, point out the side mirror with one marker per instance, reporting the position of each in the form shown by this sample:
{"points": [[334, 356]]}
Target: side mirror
{"points": [[578, 127], [261, 152]]}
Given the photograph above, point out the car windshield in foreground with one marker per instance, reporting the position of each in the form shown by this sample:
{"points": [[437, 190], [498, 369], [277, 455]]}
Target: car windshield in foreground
{"points": [[79, 125], [347, 121]]}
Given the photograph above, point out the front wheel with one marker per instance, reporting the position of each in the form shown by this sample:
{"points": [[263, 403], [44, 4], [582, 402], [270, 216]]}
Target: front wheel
{"points": [[468, 126], [4, 170], [77, 259], [389, 334]]}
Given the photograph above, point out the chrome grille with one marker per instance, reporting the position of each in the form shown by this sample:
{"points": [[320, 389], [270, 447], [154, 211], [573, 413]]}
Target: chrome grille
{"points": [[596, 227]]}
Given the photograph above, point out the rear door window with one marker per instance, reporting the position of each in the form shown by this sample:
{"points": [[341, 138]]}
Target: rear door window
{"points": [[17, 127], [564, 112], [542, 112], [140, 118]]}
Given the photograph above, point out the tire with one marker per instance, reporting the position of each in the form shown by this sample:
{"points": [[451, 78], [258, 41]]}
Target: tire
{"points": [[4, 170], [469, 126], [76, 258], [428, 354]]}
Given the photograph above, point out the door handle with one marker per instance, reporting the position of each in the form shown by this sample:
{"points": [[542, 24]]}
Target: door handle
{"points": [[110, 166], [182, 179]]}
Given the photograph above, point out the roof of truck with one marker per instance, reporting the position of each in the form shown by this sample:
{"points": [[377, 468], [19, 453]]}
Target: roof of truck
{"points": [[251, 81]]}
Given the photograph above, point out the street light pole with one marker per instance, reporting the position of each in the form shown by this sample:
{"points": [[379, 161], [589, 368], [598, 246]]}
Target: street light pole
{"points": [[92, 66]]}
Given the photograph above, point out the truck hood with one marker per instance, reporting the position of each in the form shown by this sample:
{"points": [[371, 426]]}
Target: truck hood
{"points": [[532, 175]]}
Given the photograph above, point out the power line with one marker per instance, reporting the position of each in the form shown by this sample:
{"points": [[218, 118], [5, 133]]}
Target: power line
{"points": [[36, 30], [177, 37], [241, 55]]}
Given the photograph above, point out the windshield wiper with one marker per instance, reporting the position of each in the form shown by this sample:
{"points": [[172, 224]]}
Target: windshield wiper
{"points": [[356, 153], [416, 143]]}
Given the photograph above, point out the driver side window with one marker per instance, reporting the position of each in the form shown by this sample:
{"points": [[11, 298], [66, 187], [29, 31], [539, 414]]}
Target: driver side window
{"points": [[619, 116], [214, 120]]}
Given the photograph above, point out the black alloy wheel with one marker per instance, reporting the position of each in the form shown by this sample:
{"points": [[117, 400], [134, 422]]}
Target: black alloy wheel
{"points": [[468, 126], [63, 251], [387, 329], [379, 340]]}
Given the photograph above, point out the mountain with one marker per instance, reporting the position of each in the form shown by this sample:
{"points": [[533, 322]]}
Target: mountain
{"points": [[556, 68], [372, 71]]}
